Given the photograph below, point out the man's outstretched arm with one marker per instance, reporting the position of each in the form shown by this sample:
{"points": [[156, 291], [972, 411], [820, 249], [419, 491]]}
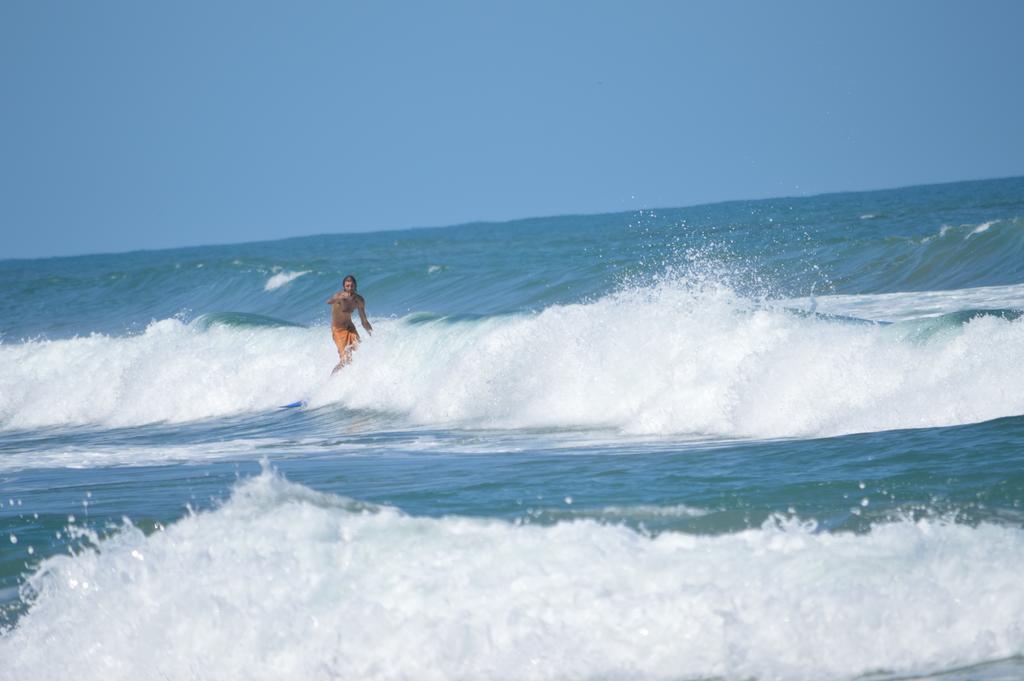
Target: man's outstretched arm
{"points": [[361, 306]]}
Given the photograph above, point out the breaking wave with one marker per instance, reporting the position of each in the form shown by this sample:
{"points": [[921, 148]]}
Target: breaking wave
{"points": [[285, 582], [670, 359]]}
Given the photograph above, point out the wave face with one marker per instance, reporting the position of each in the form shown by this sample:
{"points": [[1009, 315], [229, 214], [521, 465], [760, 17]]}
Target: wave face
{"points": [[672, 359], [285, 582]]}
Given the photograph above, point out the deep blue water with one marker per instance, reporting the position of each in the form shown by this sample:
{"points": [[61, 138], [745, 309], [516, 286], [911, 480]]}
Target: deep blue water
{"points": [[774, 439]]}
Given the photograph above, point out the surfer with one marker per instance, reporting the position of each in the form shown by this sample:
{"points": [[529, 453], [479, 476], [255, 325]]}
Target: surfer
{"points": [[342, 329]]}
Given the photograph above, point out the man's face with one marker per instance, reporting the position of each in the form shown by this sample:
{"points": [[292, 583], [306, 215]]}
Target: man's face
{"points": [[349, 285]]}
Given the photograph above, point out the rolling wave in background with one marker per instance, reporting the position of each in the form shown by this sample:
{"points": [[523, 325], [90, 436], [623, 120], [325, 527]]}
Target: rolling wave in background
{"points": [[921, 239]]}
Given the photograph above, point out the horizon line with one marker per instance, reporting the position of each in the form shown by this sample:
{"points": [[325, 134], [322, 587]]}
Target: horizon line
{"points": [[553, 216]]}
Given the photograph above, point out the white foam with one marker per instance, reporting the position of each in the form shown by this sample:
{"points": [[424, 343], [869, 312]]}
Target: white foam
{"points": [[960, 229], [668, 360], [672, 361], [646, 510], [902, 306], [171, 372], [284, 582], [983, 227], [282, 278], [100, 456]]}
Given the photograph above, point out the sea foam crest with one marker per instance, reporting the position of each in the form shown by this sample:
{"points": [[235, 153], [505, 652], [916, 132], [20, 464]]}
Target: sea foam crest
{"points": [[281, 278], [663, 360], [172, 372], [285, 582]]}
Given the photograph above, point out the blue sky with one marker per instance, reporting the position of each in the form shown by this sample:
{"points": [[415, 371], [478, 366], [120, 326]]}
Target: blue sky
{"points": [[131, 125]]}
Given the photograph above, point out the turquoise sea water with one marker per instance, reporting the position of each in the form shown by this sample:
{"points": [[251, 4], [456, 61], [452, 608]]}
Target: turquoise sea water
{"points": [[775, 439]]}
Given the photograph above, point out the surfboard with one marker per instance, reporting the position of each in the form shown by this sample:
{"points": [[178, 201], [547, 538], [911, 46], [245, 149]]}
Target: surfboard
{"points": [[293, 405]]}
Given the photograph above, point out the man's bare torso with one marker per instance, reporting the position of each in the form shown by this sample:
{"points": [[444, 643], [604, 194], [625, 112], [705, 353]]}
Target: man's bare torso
{"points": [[342, 308]]}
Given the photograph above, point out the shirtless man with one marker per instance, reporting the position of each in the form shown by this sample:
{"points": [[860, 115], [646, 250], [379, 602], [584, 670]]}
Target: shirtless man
{"points": [[344, 331]]}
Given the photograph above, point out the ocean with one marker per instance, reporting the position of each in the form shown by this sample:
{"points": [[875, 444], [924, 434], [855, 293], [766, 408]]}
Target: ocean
{"points": [[777, 440]]}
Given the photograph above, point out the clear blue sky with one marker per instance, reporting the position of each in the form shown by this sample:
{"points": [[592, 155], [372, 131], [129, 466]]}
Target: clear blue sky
{"points": [[131, 124]]}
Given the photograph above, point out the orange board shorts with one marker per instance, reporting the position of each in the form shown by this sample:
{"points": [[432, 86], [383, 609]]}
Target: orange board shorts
{"points": [[346, 341]]}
